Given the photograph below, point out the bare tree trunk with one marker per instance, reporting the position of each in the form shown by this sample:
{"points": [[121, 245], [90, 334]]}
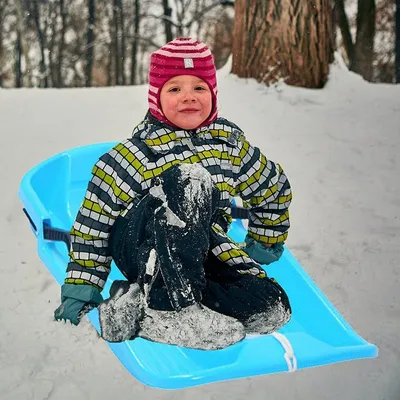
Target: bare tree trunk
{"points": [[222, 40], [142, 71], [397, 62], [117, 57], [110, 65], [344, 26], [167, 21], [90, 43], [1, 57], [42, 43], [61, 47], [283, 40], [18, 61], [180, 8], [22, 22], [135, 42], [362, 63], [50, 27], [123, 48], [2, 52], [110, 48]]}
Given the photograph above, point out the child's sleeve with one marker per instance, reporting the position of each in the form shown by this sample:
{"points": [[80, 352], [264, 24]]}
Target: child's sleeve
{"points": [[114, 184], [265, 191]]}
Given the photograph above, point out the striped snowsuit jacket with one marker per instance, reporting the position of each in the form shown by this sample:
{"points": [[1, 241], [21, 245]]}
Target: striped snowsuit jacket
{"points": [[123, 175]]}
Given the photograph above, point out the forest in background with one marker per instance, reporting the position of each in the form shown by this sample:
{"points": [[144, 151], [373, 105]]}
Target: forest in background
{"points": [[76, 43]]}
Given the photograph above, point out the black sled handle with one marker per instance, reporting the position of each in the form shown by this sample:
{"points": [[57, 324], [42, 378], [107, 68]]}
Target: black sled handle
{"points": [[50, 233], [56, 235]]}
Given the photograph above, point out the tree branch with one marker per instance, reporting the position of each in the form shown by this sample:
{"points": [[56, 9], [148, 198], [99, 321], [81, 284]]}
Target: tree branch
{"points": [[205, 10], [196, 17]]}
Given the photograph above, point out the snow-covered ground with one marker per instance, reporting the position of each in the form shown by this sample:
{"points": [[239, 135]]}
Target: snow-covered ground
{"points": [[340, 147]]}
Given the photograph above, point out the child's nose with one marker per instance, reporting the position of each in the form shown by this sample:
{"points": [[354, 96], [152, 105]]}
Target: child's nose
{"points": [[189, 96]]}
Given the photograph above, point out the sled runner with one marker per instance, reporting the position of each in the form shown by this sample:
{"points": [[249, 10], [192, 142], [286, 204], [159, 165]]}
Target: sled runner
{"points": [[317, 334]]}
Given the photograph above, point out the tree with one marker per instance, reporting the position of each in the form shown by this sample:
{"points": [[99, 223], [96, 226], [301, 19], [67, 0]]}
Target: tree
{"points": [[221, 38], [18, 60], [117, 50], [23, 21], [55, 43], [188, 12], [134, 54], [42, 41], [90, 43], [290, 40], [167, 21], [397, 63], [2, 50], [360, 52], [123, 45], [51, 24], [364, 48], [61, 47], [343, 23]]}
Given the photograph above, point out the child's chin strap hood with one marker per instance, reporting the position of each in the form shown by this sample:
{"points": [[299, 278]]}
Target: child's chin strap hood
{"points": [[182, 56]]}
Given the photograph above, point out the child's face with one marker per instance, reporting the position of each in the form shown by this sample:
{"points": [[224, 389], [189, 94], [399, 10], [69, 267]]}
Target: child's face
{"points": [[186, 101]]}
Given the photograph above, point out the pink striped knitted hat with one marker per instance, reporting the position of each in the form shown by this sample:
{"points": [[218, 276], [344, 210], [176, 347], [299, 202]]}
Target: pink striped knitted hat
{"points": [[182, 56]]}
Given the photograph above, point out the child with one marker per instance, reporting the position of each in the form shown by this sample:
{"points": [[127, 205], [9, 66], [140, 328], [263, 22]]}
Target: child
{"points": [[158, 204]]}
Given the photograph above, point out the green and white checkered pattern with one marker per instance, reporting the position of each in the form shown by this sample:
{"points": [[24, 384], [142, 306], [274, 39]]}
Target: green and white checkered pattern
{"points": [[124, 175]]}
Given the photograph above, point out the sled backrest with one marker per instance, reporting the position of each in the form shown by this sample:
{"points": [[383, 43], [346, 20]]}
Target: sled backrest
{"points": [[53, 191]]}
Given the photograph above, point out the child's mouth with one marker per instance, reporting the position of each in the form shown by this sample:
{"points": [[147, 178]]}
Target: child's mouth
{"points": [[189, 111]]}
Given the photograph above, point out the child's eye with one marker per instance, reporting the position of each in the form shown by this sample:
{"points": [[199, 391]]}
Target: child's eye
{"points": [[200, 88], [173, 89]]}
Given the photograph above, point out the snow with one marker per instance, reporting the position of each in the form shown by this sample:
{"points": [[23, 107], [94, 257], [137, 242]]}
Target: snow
{"points": [[150, 270], [265, 323], [340, 148], [172, 218], [197, 192], [187, 328], [115, 312]]}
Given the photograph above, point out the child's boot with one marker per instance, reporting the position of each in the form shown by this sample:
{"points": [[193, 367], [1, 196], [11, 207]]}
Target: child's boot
{"points": [[119, 315], [195, 327], [268, 321]]}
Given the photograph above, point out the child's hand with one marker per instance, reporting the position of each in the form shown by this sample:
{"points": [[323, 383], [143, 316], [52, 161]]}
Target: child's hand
{"points": [[76, 301], [70, 310], [263, 253]]}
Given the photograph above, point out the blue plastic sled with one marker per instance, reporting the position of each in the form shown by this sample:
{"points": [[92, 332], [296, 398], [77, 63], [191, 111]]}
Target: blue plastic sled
{"points": [[316, 335]]}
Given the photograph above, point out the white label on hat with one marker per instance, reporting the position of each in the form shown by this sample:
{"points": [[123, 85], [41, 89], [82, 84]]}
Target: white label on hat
{"points": [[188, 62]]}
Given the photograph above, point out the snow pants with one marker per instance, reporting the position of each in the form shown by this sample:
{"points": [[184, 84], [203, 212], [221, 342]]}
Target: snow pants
{"points": [[163, 243]]}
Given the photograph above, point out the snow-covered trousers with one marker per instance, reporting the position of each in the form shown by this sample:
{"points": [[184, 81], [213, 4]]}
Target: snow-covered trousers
{"points": [[164, 243]]}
